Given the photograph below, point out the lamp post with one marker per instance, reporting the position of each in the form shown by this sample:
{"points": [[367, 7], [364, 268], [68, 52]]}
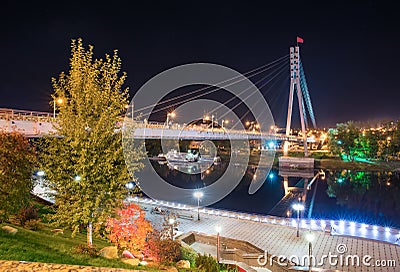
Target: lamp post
{"points": [[171, 222], [212, 122], [218, 230], [224, 121], [170, 115], [298, 207], [198, 195], [59, 101], [310, 238]]}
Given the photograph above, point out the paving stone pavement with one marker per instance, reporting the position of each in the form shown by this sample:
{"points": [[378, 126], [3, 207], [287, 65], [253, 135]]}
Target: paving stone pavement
{"points": [[19, 266], [282, 240]]}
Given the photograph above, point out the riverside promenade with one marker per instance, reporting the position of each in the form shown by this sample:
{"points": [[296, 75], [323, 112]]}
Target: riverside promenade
{"points": [[278, 237]]}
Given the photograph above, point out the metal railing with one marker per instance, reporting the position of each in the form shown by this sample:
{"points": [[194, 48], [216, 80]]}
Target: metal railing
{"points": [[335, 227], [35, 116]]}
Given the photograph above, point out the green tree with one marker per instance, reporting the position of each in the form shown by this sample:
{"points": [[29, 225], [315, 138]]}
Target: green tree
{"points": [[85, 164], [17, 162], [345, 141]]}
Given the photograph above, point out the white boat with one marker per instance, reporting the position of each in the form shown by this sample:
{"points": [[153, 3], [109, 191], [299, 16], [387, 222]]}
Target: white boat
{"points": [[175, 156]]}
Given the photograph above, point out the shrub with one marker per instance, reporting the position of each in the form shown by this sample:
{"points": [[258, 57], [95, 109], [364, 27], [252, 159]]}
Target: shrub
{"points": [[188, 254], [207, 263], [33, 224], [27, 213], [162, 250], [85, 250]]}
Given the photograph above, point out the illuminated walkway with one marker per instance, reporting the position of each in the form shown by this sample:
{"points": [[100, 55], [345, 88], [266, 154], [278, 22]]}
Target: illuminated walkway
{"points": [[278, 236]]}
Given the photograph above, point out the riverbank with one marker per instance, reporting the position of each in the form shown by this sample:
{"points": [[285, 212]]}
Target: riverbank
{"points": [[325, 161]]}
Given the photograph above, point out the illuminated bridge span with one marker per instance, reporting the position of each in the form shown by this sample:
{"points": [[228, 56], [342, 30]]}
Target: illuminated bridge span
{"points": [[37, 124]]}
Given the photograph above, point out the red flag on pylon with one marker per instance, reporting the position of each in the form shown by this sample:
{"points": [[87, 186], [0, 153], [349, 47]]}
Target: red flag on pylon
{"points": [[299, 40]]}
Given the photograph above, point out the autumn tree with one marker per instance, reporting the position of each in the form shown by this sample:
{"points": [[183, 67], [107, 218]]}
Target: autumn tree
{"points": [[129, 229], [84, 164], [17, 161]]}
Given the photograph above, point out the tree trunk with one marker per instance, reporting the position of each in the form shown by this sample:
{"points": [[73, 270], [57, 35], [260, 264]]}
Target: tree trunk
{"points": [[89, 235]]}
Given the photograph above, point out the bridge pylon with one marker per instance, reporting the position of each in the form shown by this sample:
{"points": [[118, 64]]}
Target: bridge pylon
{"points": [[298, 85]]}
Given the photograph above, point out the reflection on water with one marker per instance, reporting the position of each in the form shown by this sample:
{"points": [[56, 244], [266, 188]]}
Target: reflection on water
{"points": [[365, 196], [370, 197]]}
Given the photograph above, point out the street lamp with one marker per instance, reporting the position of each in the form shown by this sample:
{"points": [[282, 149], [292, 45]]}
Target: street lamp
{"points": [[224, 121], [170, 115], [218, 230], [212, 122], [171, 222], [198, 195], [298, 207], [59, 101], [310, 238]]}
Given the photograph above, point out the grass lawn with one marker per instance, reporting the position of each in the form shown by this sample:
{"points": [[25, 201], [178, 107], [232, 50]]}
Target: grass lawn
{"points": [[44, 246]]}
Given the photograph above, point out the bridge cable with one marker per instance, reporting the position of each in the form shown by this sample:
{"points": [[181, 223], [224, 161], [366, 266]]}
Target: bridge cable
{"points": [[280, 70], [247, 74], [279, 75], [282, 64]]}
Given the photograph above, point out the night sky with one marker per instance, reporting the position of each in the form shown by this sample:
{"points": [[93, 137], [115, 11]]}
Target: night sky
{"points": [[350, 52]]}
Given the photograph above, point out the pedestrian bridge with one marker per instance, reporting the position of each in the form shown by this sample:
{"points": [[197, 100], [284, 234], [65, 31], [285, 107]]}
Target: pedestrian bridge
{"points": [[35, 124]]}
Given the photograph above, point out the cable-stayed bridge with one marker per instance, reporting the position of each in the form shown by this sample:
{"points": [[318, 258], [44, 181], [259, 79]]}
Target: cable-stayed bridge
{"points": [[35, 124], [38, 124]]}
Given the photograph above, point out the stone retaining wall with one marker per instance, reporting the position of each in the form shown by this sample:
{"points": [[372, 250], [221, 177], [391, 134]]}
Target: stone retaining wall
{"points": [[21, 266]]}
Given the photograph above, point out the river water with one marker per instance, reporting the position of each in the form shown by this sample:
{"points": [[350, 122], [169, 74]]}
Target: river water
{"points": [[359, 196]]}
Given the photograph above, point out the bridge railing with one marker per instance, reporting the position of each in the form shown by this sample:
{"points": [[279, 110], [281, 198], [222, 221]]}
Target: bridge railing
{"points": [[185, 127], [36, 116]]}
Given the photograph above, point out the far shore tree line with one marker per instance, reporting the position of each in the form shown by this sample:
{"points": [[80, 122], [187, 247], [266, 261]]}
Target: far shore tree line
{"points": [[352, 142]]}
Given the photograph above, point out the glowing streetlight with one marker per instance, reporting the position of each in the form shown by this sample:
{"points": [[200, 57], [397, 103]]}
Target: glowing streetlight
{"points": [[310, 238], [198, 195], [298, 207], [130, 185], [40, 173], [171, 114], [77, 178], [224, 121], [59, 101], [271, 145], [218, 230]]}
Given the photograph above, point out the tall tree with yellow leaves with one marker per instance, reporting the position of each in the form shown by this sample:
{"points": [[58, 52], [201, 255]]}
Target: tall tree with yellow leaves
{"points": [[84, 164]]}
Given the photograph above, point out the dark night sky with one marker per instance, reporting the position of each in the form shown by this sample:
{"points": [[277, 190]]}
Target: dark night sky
{"points": [[350, 50]]}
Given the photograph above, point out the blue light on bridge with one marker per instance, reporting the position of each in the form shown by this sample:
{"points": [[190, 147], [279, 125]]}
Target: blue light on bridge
{"points": [[271, 175], [271, 145], [340, 180]]}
